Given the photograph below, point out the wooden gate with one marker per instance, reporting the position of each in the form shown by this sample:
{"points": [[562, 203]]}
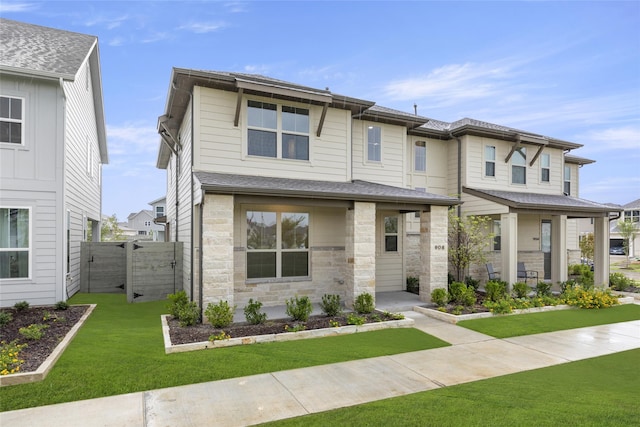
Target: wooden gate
{"points": [[145, 271]]}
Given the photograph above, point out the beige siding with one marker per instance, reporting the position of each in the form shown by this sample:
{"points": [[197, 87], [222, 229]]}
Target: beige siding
{"points": [[221, 147], [391, 169], [184, 213]]}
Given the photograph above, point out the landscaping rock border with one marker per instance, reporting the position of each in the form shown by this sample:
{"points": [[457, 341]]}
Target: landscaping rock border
{"points": [[284, 336], [46, 366]]}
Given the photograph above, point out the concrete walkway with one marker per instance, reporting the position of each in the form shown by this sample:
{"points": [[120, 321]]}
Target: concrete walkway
{"points": [[268, 397]]}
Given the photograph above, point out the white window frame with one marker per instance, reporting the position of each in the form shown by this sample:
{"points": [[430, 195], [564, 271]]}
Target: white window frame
{"points": [[546, 167], [29, 248], [279, 130], [367, 143], [488, 160], [395, 234], [278, 250], [422, 147], [157, 211], [21, 121], [566, 182], [523, 152]]}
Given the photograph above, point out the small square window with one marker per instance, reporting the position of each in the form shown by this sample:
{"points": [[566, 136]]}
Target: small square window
{"points": [[11, 122]]}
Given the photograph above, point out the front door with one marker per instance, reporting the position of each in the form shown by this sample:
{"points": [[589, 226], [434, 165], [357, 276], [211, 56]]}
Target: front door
{"points": [[545, 243], [389, 271]]}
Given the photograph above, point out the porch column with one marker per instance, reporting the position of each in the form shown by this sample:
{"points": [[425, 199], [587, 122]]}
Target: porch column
{"points": [[217, 249], [509, 248], [433, 251], [559, 266], [601, 266], [360, 249]]}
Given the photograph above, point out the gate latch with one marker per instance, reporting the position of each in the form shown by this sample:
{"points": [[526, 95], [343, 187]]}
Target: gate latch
{"points": [[173, 264]]}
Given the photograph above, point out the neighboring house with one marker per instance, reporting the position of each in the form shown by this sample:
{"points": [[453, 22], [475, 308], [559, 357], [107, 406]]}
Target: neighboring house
{"points": [[279, 190], [143, 223], [52, 148], [631, 213], [159, 207]]}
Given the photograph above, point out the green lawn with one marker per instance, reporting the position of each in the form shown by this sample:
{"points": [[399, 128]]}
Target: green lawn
{"points": [[535, 323], [120, 350], [594, 392]]}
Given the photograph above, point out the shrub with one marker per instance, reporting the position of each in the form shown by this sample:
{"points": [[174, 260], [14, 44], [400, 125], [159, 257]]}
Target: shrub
{"points": [[219, 315], [62, 305], [389, 315], [188, 314], [472, 283], [502, 306], [21, 306], [584, 273], [34, 331], [5, 317], [496, 290], [543, 289], [459, 293], [620, 282], [589, 298], [331, 305], [10, 361], [364, 303], [413, 285], [252, 312], [221, 336], [520, 289], [176, 303], [299, 308], [439, 297], [354, 319]]}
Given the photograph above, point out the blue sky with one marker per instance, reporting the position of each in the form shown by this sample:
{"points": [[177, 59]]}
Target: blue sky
{"points": [[569, 70]]}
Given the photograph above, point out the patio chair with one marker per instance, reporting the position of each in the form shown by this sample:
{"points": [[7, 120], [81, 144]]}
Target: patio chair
{"points": [[493, 275], [525, 274]]}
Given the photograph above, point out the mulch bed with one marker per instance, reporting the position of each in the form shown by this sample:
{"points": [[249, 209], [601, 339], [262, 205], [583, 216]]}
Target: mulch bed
{"points": [[60, 323], [202, 332]]}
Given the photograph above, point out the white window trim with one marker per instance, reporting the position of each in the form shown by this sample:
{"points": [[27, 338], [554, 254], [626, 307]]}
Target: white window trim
{"points": [[567, 179], [279, 131], [396, 234], [416, 170], [524, 166], [542, 168], [29, 249], [365, 140], [21, 121], [278, 249], [485, 160]]}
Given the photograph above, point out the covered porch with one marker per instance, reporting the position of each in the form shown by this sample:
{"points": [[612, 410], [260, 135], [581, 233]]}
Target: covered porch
{"points": [[535, 229]]}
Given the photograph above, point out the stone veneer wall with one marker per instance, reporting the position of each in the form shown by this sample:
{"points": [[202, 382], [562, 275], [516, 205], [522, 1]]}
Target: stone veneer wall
{"points": [[433, 251], [327, 266], [360, 251], [412, 254]]}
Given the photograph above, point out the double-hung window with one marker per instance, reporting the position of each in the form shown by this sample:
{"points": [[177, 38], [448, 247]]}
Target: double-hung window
{"points": [[277, 244], [14, 243], [374, 143], [519, 166], [497, 235], [567, 180], [277, 131], [420, 156], [11, 120], [391, 234], [159, 211], [545, 167], [490, 161]]}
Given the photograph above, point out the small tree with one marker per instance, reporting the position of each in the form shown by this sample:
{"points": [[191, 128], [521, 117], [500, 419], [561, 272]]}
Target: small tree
{"points": [[628, 231], [110, 231], [469, 237], [586, 246]]}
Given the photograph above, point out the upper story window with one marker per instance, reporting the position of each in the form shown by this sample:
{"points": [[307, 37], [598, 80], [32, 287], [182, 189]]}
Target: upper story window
{"points": [[159, 211], [269, 124], [11, 120], [14, 243], [277, 244], [519, 166], [567, 180], [633, 216], [489, 160], [420, 156], [545, 167], [374, 143]]}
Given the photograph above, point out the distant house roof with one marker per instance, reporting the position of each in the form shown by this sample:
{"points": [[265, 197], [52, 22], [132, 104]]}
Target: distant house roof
{"points": [[632, 205], [571, 206], [161, 199], [354, 190], [144, 212], [49, 53]]}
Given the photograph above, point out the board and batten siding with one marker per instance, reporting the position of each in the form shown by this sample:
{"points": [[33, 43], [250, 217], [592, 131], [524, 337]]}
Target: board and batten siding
{"points": [[390, 170], [31, 177], [221, 147], [82, 167]]}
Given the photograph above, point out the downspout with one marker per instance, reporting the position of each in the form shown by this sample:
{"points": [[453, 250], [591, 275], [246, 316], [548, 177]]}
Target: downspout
{"points": [[191, 205], [65, 236], [459, 174], [200, 276]]}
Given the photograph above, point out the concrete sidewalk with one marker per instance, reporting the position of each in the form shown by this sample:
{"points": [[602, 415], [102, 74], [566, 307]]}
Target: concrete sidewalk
{"points": [[268, 397]]}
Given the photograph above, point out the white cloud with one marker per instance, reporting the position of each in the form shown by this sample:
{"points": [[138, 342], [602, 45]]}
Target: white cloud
{"points": [[203, 27], [107, 21], [7, 7], [621, 138], [132, 138]]}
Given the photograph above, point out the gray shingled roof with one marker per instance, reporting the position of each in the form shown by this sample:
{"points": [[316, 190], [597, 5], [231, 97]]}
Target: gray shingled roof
{"points": [[41, 50], [632, 205], [539, 201], [355, 190]]}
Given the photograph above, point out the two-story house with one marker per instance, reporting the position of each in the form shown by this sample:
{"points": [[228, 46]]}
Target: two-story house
{"points": [[145, 224], [52, 148], [278, 189]]}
